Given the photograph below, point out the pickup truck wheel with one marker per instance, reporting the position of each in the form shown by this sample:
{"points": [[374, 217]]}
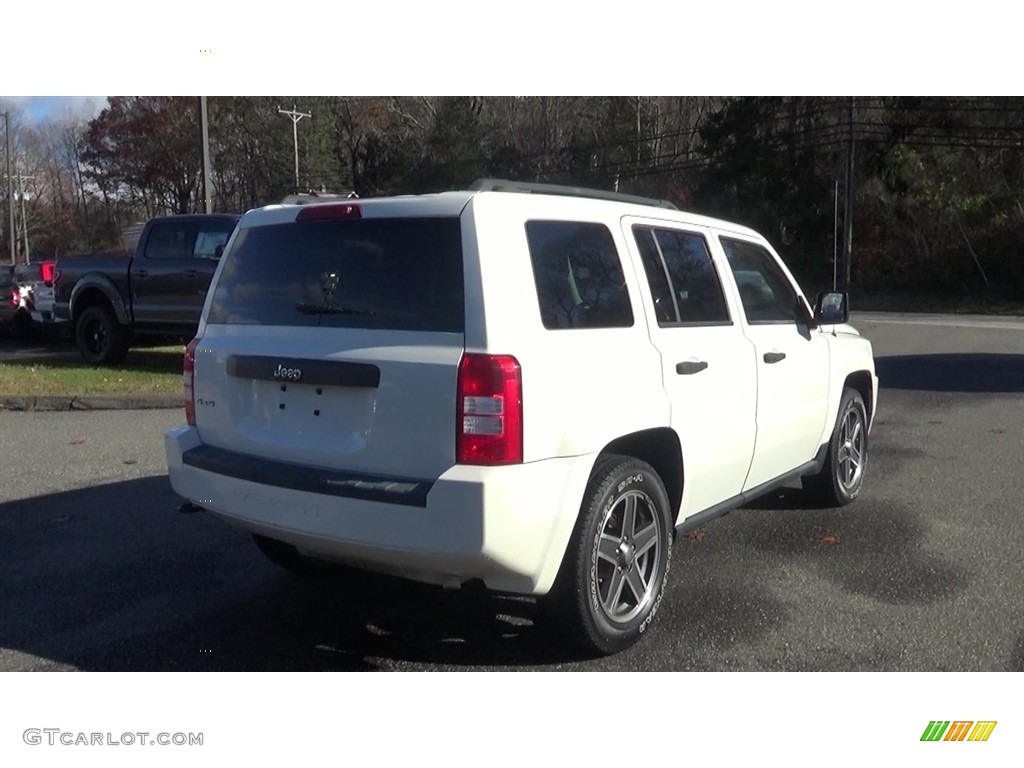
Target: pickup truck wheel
{"points": [[842, 477], [614, 573], [101, 340]]}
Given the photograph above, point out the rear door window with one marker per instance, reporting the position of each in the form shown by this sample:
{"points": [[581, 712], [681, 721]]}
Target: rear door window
{"points": [[683, 279], [578, 275], [168, 240], [393, 274]]}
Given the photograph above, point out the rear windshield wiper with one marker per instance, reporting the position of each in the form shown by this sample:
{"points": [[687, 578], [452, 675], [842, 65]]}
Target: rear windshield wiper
{"points": [[328, 309]]}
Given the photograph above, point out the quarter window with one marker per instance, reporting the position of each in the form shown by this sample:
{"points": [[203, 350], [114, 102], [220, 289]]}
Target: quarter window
{"points": [[578, 275]]}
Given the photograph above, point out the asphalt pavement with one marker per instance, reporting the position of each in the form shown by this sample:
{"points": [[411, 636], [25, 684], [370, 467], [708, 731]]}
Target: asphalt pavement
{"points": [[98, 571]]}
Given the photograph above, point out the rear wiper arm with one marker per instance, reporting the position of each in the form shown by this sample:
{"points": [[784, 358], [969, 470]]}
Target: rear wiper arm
{"points": [[327, 309]]}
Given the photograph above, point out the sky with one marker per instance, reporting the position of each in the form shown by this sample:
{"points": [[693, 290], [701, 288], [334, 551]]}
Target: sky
{"points": [[37, 109]]}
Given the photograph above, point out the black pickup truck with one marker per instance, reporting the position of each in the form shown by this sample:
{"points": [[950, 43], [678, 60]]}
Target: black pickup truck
{"points": [[157, 290]]}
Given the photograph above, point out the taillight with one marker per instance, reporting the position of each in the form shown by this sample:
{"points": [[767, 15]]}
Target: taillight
{"points": [[489, 410], [189, 376], [15, 299], [46, 271], [322, 211]]}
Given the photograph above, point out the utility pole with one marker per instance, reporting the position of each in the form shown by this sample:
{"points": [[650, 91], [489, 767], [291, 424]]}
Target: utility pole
{"points": [[295, 116], [24, 221], [204, 151], [848, 210], [835, 237], [10, 184]]}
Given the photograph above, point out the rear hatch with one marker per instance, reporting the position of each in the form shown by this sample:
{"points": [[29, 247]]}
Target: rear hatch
{"points": [[333, 339]]}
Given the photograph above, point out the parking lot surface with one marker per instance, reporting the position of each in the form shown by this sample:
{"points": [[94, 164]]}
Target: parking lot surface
{"points": [[99, 572]]}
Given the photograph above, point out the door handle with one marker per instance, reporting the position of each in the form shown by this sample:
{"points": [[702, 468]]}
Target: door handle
{"points": [[774, 357], [190, 273], [690, 366], [141, 273]]}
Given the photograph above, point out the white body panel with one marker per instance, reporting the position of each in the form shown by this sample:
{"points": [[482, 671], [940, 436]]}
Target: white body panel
{"points": [[713, 410], [581, 388], [792, 398], [504, 525], [405, 425]]}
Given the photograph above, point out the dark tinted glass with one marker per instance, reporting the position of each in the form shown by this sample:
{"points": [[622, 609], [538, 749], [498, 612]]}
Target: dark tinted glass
{"points": [[697, 291], [396, 274], [578, 275], [766, 293], [168, 241], [661, 292]]}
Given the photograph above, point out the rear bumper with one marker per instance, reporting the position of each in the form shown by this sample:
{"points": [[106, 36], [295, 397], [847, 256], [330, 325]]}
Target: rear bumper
{"points": [[505, 525]]}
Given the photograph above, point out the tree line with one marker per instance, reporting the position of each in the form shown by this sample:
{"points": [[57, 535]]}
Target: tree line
{"points": [[938, 183]]}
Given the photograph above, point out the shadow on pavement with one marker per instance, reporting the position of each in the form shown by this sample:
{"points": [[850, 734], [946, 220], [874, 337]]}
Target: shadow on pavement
{"points": [[974, 372], [113, 578]]}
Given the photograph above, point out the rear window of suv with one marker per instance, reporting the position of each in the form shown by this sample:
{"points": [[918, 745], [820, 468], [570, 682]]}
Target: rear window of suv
{"points": [[391, 274]]}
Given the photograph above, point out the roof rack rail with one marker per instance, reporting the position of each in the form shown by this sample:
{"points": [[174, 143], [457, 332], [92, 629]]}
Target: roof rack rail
{"points": [[504, 185]]}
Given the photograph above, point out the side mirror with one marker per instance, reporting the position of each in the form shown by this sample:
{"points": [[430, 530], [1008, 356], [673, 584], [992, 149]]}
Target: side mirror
{"points": [[832, 308]]}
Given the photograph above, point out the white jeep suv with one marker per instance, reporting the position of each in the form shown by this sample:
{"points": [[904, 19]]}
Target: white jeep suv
{"points": [[532, 386]]}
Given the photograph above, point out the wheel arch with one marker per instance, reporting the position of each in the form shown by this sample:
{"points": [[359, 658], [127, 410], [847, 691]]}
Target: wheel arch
{"points": [[97, 290], [659, 447], [862, 383]]}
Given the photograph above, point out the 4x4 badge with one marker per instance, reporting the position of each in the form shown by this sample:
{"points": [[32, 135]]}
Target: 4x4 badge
{"points": [[294, 374]]}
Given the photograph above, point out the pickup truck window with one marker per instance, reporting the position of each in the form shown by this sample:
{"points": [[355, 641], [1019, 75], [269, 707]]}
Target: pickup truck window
{"points": [[168, 240], [683, 278], [766, 293], [210, 245], [578, 275]]}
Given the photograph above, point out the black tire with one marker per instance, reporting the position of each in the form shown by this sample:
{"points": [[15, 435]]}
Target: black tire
{"points": [[288, 557], [100, 339], [590, 599], [841, 479]]}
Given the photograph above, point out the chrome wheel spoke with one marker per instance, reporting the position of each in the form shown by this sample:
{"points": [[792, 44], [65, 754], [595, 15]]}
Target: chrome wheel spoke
{"points": [[608, 548], [637, 584], [614, 594], [629, 517], [645, 539]]}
